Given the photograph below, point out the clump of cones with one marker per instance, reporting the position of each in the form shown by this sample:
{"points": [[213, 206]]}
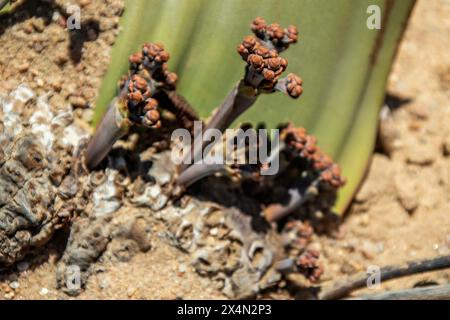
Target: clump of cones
{"points": [[149, 87]]}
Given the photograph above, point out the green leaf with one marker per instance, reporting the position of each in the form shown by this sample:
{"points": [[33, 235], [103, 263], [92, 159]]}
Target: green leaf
{"points": [[5, 6], [344, 64]]}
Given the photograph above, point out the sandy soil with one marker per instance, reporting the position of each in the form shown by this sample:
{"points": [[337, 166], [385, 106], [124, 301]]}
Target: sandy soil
{"points": [[401, 212]]}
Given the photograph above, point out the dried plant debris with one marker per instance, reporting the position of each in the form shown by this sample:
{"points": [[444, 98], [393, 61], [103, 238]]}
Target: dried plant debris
{"points": [[95, 240], [224, 246], [36, 156]]}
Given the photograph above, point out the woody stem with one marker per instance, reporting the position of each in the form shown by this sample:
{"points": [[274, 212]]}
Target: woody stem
{"points": [[298, 196], [112, 127], [238, 101], [387, 273], [197, 172]]}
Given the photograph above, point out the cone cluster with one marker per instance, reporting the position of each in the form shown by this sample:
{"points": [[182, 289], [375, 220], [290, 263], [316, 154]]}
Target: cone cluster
{"points": [[308, 264], [261, 52], [141, 107], [280, 38], [153, 59], [148, 73], [305, 145]]}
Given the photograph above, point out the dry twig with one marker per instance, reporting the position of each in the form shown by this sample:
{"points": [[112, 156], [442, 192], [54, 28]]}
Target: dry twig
{"points": [[387, 273]]}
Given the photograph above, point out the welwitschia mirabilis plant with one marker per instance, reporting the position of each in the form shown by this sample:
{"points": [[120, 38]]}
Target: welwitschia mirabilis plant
{"points": [[343, 60]]}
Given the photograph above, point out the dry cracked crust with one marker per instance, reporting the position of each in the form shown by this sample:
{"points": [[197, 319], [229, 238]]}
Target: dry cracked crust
{"points": [[34, 167], [110, 211]]}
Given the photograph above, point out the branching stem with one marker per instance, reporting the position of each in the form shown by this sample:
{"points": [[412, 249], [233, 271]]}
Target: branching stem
{"points": [[298, 197], [425, 293], [197, 172], [387, 273], [240, 99]]}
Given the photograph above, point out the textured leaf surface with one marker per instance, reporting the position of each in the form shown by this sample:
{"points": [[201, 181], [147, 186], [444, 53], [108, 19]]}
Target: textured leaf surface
{"points": [[344, 64]]}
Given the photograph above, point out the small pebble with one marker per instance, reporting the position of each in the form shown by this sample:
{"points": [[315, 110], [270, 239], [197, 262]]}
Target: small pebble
{"points": [[364, 220], [56, 15], [23, 67], [420, 154], [131, 291], [40, 82], [38, 25], [28, 28], [14, 285], [43, 291], [87, 93], [23, 93], [9, 295], [87, 115], [38, 47], [163, 178], [55, 83], [104, 284], [316, 246], [347, 268], [5, 288], [415, 125], [77, 102], [61, 58], [84, 3], [182, 268], [91, 34], [23, 266]]}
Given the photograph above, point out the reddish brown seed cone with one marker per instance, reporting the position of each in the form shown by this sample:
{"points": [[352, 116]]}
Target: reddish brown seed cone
{"points": [[309, 266], [258, 25], [294, 85], [249, 42], [275, 32], [292, 34], [269, 75], [135, 96], [262, 53], [332, 177], [151, 116], [305, 146], [136, 58], [171, 78]]}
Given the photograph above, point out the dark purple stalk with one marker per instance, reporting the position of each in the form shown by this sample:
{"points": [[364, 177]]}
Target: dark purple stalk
{"points": [[298, 197], [112, 127], [197, 172], [240, 99], [387, 273]]}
